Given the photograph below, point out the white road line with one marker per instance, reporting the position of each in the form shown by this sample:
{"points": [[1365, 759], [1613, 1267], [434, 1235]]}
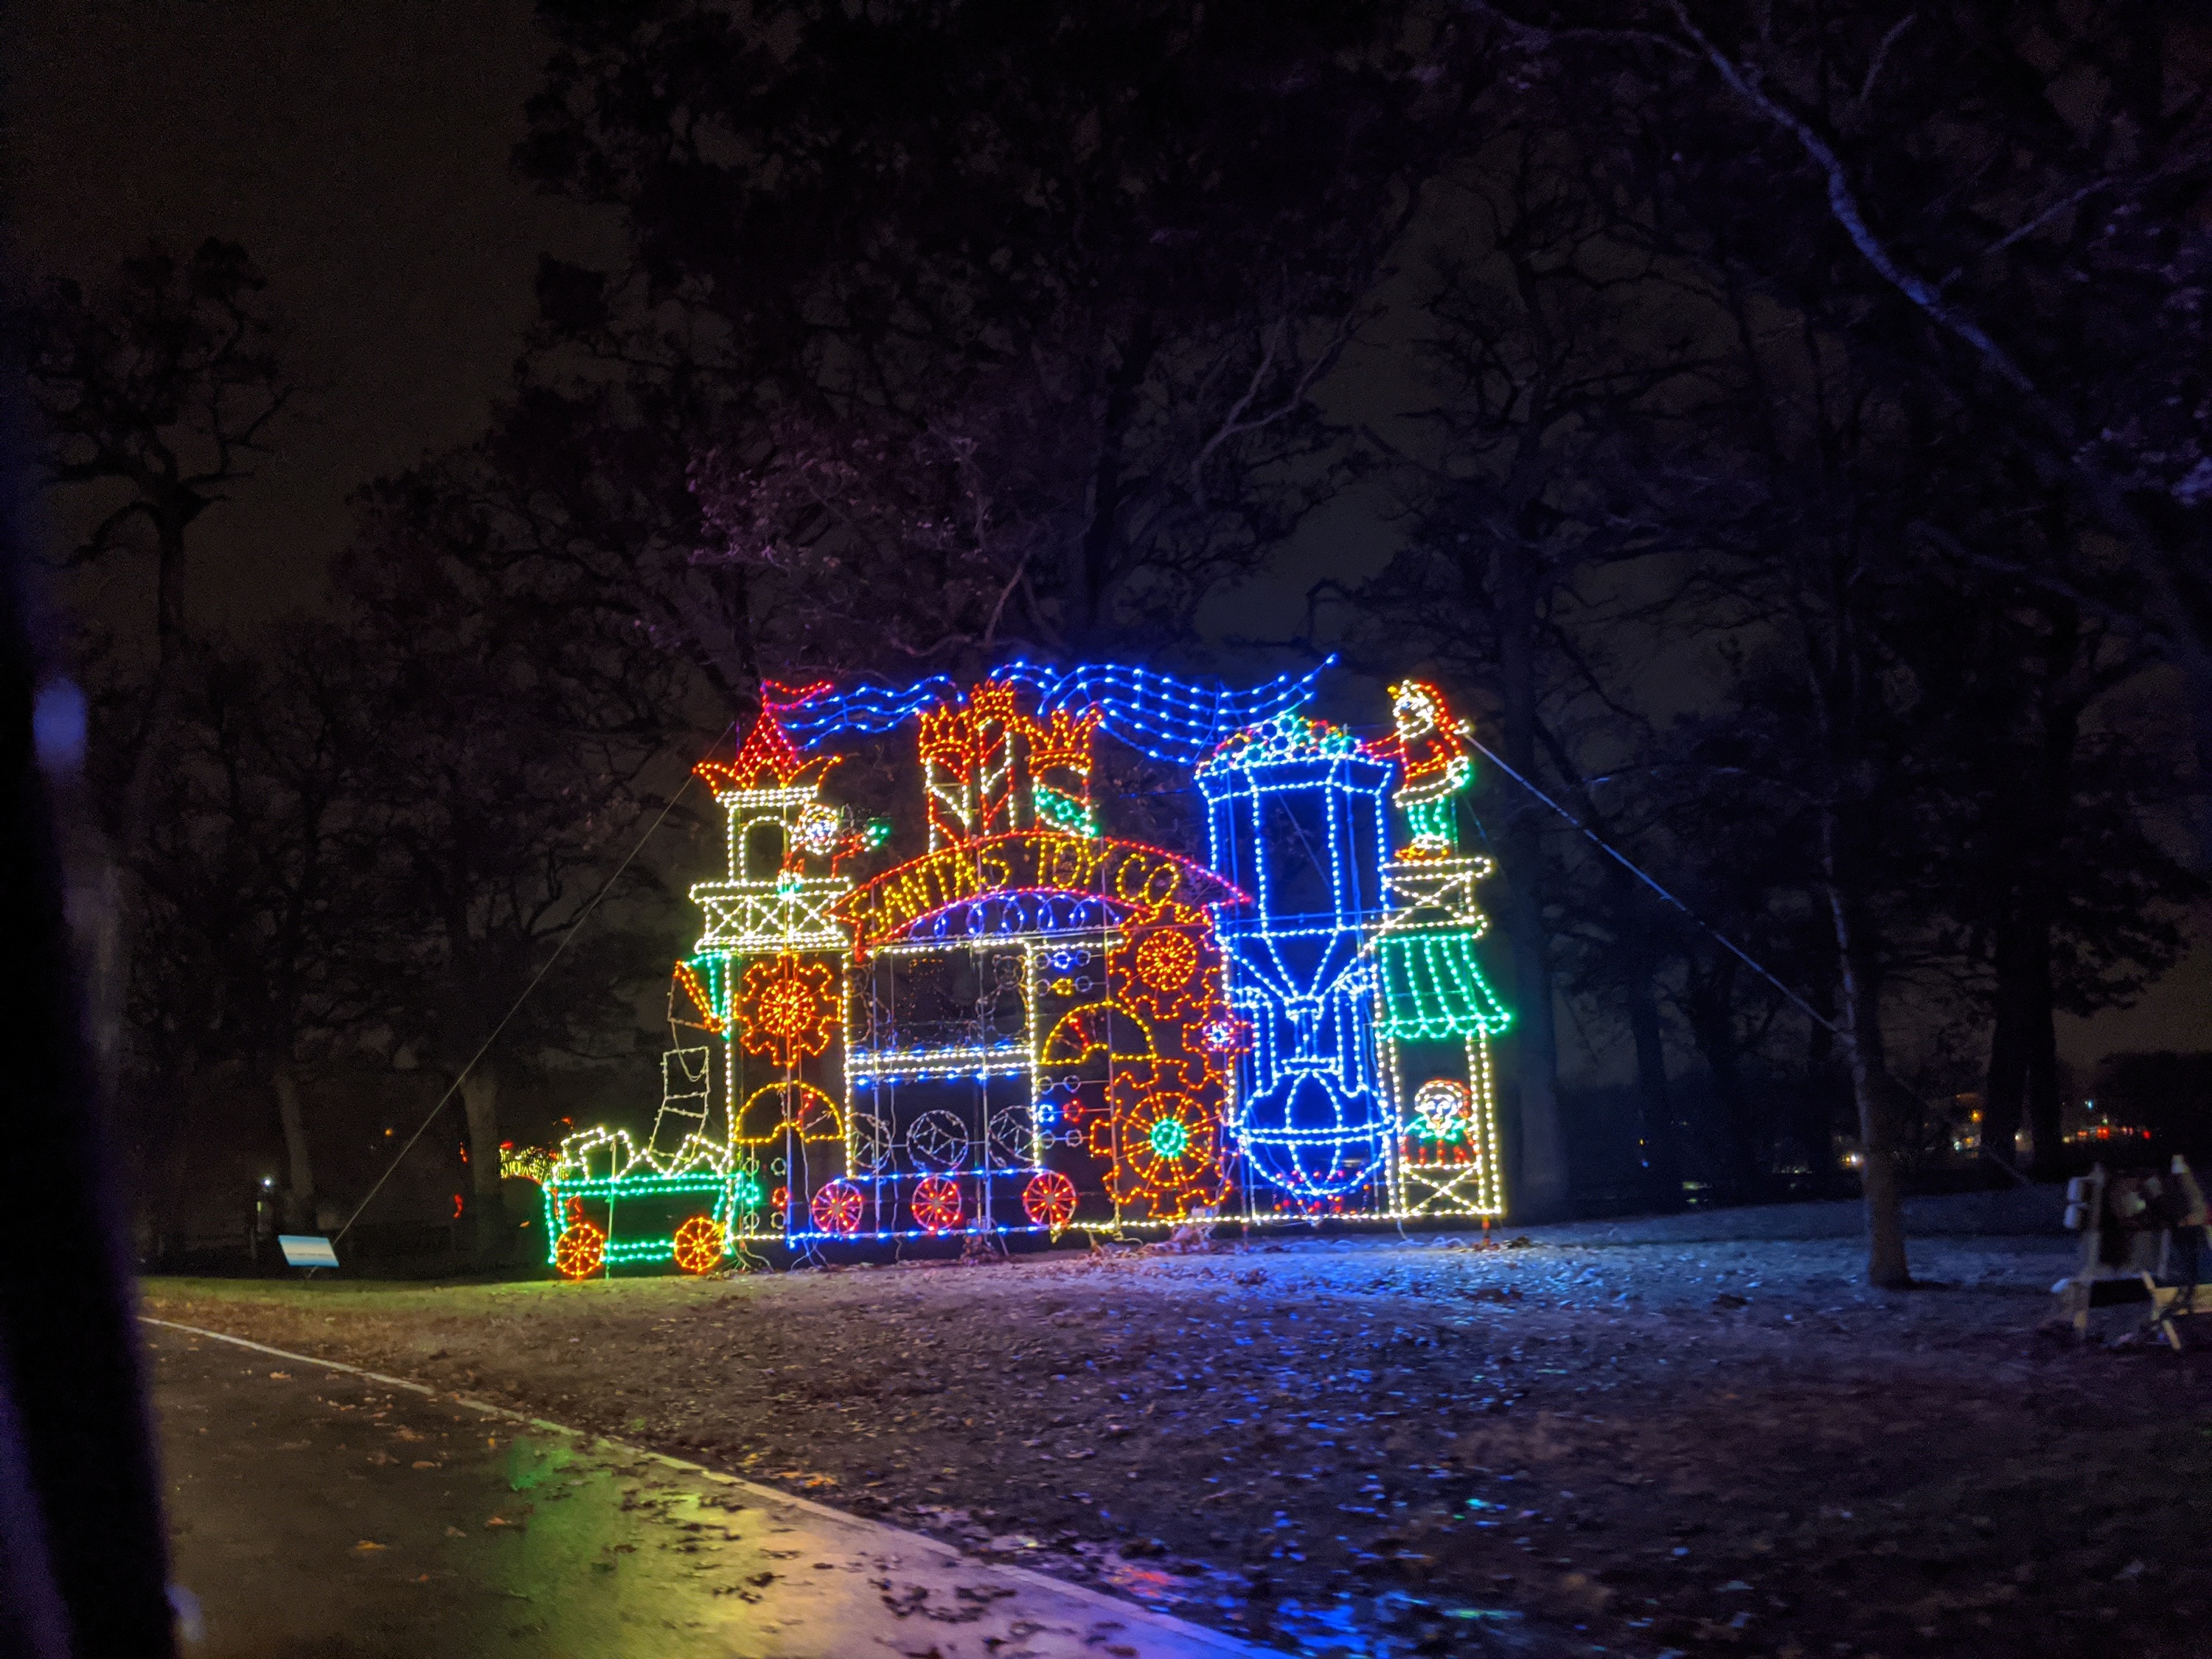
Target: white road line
{"points": [[1219, 1641]]}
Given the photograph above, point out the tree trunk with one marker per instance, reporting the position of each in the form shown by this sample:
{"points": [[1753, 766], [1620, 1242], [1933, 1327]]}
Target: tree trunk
{"points": [[2008, 1079], [1540, 1192], [480, 1101], [122, 905], [1662, 1164], [300, 1194], [1863, 1053], [1712, 1027], [2039, 1038]]}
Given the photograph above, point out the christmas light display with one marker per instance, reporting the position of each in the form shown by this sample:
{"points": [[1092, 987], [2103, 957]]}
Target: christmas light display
{"points": [[1436, 1012], [1437, 766], [1033, 1025]]}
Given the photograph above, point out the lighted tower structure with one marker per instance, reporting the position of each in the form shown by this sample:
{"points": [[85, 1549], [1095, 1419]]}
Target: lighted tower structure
{"points": [[1295, 817], [769, 963], [1435, 1012]]}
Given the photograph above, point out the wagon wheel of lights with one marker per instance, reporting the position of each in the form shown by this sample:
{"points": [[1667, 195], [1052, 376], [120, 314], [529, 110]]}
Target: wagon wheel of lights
{"points": [[581, 1252], [938, 1141], [699, 1244], [937, 1204], [872, 1143], [837, 1207], [1048, 1201]]}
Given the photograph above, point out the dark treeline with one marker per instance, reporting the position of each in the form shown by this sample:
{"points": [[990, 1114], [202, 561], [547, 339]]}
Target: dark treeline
{"points": [[1785, 429]]}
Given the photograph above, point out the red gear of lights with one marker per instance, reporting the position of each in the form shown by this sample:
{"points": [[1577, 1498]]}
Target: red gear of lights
{"points": [[837, 1208], [937, 1204], [1048, 1201]]}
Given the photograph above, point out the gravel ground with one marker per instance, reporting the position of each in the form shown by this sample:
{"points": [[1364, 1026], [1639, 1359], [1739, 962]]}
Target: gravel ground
{"points": [[1365, 1446]]}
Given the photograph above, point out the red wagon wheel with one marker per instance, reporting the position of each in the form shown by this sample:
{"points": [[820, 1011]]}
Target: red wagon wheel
{"points": [[837, 1207], [937, 1204], [1048, 1201]]}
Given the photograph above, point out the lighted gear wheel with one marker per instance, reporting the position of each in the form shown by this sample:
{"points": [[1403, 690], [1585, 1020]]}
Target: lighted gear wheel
{"points": [[581, 1252], [1162, 975], [937, 1204], [1048, 1201], [1167, 1154], [699, 1244], [837, 1207], [785, 1010]]}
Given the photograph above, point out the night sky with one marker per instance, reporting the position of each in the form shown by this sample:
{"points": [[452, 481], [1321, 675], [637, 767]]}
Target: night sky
{"points": [[360, 153]]}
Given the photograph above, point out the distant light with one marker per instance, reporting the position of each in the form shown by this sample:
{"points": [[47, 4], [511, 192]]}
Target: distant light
{"points": [[269, 1181]]}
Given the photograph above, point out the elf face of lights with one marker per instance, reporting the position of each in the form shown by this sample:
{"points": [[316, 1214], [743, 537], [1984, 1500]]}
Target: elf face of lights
{"points": [[1415, 710], [1440, 1110], [1033, 1026]]}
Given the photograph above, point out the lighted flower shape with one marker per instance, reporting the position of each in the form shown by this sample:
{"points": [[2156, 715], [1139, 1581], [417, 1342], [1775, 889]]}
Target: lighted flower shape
{"points": [[786, 1011]]}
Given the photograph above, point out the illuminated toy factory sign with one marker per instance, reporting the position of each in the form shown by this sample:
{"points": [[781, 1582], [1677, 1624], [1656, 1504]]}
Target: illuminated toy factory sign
{"points": [[1027, 1025], [1126, 875]]}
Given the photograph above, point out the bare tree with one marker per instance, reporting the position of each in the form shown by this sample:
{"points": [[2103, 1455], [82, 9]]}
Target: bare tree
{"points": [[157, 390]]}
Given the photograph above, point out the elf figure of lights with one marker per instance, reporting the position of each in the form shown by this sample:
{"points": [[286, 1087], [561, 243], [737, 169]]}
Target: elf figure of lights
{"points": [[1435, 1012]]}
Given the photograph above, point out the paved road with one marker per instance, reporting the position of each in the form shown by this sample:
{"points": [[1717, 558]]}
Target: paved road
{"points": [[325, 1513]]}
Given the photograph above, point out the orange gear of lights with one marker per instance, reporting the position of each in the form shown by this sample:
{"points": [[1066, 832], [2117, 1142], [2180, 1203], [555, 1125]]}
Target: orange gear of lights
{"points": [[581, 1252], [1167, 1152], [1167, 960], [699, 1244], [786, 1012]]}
